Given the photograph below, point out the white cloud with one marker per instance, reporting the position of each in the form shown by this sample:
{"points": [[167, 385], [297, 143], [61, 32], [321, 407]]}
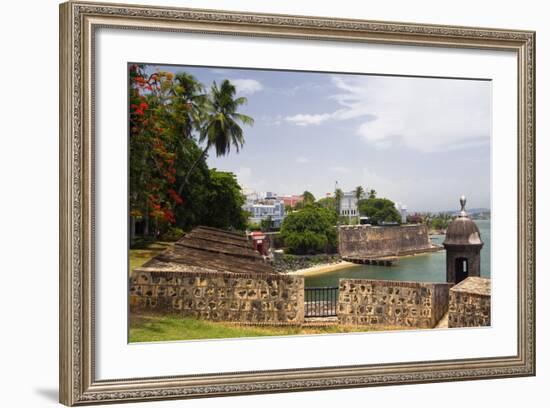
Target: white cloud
{"points": [[246, 179], [247, 86], [307, 120], [425, 114], [302, 160]]}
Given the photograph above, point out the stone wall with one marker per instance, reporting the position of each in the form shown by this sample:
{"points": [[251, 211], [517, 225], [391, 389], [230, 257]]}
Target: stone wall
{"points": [[219, 296], [470, 303], [411, 304], [364, 241]]}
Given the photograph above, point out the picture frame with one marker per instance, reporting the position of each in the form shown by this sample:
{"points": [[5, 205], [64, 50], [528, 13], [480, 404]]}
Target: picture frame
{"points": [[79, 22]]}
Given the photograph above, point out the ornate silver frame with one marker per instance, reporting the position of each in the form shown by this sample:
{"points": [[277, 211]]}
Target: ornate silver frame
{"points": [[78, 22]]}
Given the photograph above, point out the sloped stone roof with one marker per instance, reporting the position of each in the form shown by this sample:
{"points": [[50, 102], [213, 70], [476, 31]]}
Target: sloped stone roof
{"points": [[211, 249], [475, 285]]}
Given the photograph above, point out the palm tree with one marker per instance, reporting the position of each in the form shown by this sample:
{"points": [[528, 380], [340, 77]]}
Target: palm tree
{"points": [[221, 128], [188, 104], [372, 193], [308, 197], [359, 191], [338, 195]]}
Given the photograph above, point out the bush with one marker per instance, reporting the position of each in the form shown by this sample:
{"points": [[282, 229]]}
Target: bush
{"points": [[379, 210], [172, 234], [309, 231], [253, 227]]}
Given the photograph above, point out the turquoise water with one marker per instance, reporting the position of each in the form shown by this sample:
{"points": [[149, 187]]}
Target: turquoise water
{"points": [[424, 268]]}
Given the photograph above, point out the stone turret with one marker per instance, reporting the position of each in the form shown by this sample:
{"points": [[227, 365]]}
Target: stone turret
{"points": [[463, 245]]}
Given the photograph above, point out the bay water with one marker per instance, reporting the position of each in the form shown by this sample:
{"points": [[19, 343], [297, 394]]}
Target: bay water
{"points": [[430, 267]]}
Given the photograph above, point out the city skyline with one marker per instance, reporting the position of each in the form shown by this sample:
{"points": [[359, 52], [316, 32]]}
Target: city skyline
{"points": [[419, 141]]}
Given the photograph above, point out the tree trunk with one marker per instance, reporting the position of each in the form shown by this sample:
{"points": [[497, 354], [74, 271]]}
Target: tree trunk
{"points": [[132, 230], [146, 225], [186, 179]]}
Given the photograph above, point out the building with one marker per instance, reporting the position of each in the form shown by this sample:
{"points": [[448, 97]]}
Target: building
{"points": [[348, 205], [402, 210], [262, 206], [291, 200], [265, 209]]}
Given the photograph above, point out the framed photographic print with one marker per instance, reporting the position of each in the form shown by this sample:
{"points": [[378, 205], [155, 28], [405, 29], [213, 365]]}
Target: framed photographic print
{"points": [[356, 197]]}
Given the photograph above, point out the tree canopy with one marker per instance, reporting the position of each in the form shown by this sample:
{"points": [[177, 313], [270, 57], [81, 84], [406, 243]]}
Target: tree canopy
{"points": [[379, 210], [309, 231], [174, 121], [224, 202], [309, 198]]}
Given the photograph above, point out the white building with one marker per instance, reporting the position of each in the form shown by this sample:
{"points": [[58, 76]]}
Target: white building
{"points": [[348, 205], [274, 209], [402, 209]]}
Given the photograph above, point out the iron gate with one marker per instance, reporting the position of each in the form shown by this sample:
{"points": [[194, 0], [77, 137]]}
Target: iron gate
{"points": [[321, 302]]}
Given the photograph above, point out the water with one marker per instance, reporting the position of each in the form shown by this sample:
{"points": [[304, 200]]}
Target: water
{"points": [[429, 267]]}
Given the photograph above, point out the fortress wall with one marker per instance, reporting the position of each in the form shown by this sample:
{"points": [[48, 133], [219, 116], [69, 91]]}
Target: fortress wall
{"points": [[470, 303], [372, 241], [408, 304], [219, 296]]}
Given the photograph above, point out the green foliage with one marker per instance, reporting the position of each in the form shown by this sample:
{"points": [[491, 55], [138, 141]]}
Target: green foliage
{"points": [[225, 201], [309, 198], [173, 124], [147, 328], [379, 210], [338, 195], [327, 202], [359, 192], [437, 221], [195, 195], [266, 224], [251, 226], [222, 129], [172, 234], [310, 230]]}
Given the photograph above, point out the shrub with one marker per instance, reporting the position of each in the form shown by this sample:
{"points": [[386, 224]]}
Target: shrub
{"points": [[172, 234], [309, 231], [379, 210]]}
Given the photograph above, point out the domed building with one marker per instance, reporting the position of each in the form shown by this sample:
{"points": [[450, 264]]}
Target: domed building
{"points": [[463, 245]]}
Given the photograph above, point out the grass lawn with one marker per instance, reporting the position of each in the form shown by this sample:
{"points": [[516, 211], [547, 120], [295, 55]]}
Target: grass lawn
{"points": [[145, 252], [147, 328]]}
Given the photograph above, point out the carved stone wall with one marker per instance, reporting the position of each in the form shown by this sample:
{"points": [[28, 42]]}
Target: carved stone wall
{"points": [[470, 303], [411, 304], [219, 296], [364, 241]]}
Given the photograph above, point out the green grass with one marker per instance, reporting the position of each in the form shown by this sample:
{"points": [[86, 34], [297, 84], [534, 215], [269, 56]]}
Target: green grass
{"points": [[149, 328], [138, 256]]}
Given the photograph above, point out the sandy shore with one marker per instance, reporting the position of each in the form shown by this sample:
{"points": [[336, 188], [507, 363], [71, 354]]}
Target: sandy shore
{"points": [[323, 268]]}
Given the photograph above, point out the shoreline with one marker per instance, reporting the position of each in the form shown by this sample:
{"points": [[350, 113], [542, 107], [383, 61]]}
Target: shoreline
{"points": [[322, 268], [331, 267]]}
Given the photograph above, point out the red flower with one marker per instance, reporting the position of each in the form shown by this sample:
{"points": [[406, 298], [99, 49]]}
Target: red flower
{"points": [[175, 196], [169, 216]]}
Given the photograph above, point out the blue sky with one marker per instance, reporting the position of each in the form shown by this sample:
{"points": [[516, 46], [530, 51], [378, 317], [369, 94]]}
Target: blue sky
{"points": [[419, 141]]}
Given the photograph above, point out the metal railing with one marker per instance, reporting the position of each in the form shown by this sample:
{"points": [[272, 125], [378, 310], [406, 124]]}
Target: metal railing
{"points": [[321, 302]]}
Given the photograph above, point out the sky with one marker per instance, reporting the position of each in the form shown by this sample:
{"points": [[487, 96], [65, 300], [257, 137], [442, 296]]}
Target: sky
{"points": [[422, 142]]}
